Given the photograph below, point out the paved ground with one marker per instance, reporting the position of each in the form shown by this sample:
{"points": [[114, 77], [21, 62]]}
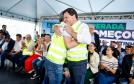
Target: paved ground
{"points": [[9, 76]]}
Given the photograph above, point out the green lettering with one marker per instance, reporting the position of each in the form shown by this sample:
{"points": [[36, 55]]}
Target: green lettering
{"points": [[114, 26], [103, 26], [121, 27], [108, 26]]}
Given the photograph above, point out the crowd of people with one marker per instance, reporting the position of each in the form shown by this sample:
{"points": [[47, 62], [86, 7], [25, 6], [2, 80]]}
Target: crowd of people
{"points": [[74, 54]]}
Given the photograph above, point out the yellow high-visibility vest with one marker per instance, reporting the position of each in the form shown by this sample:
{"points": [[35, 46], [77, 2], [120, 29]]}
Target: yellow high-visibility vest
{"points": [[79, 52], [27, 51], [57, 50]]}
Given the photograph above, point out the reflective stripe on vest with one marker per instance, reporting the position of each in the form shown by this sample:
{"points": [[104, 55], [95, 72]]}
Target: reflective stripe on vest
{"points": [[57, 50], [79, 52]]}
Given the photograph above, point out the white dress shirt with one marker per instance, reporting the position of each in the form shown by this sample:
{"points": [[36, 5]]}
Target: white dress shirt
{"points": [[84, 35], [18, 45], [4, 46]]}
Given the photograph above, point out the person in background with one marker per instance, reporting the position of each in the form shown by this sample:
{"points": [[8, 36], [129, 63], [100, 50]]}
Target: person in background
{"points": [[113, 44], [128, 68], [37, 64], [36, 36], [93, 63], [16, 54], [94, 36], [119, 47], [4, 30], [47, 42], [44, 31], [127, 51], [27, 50], [108, 68], [6, 49], [28, 53], [1, 39], [102, 47], [28, 46]]}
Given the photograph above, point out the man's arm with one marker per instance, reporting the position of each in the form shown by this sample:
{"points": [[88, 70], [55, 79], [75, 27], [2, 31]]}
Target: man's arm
{"points": [[59, 30], [67, 38], [69, 29], [10, 46], [69, 42], [83, 36]]}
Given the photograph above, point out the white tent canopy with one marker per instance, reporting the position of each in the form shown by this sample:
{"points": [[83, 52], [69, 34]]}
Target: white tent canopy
{"points": [[35, 9]]}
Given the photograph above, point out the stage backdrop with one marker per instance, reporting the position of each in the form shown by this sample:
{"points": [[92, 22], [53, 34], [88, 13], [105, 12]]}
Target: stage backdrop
{"points": [[109, 30]]}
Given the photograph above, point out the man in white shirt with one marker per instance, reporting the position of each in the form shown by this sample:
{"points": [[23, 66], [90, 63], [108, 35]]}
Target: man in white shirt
{"points": [[18, 43], [76, 55], [82, 36], [17, 52], [94, 36]]}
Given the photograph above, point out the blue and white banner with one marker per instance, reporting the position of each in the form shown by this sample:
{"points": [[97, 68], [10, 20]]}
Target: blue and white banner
{"points": [[114, 30], [110, 30]]}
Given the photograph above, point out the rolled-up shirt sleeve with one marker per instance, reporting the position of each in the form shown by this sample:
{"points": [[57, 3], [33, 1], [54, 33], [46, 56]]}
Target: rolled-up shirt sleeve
{"points": [[84, 35]]}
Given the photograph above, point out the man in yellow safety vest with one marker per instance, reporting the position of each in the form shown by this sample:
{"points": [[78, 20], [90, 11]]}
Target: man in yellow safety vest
{"points": [[76, 56]]}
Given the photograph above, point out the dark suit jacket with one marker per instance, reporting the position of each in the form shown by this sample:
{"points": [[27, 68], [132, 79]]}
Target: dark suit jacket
{"points": [[2, 43], [127, 64], [10, 45], [97, 41]]}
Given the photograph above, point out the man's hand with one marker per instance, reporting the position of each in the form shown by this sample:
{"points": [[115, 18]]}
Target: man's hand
{"points": [[67, 74], [69, 29]]}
